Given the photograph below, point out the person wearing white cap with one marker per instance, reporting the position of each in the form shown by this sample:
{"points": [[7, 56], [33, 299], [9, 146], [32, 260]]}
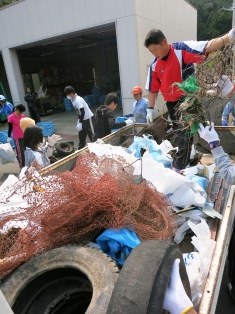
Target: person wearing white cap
{"points": [[139, 111], [225, 88], [6, 110]]}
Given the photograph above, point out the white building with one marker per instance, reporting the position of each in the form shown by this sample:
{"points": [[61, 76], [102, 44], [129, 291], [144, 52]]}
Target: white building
{"points": [[85, 43]]}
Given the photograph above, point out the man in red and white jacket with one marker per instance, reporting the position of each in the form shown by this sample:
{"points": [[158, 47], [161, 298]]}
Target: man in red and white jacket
{"points": [[174, 63]]}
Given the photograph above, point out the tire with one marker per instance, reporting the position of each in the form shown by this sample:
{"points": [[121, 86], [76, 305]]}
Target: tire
{"points": [[64, 148], [71, 279], [143, 280]]}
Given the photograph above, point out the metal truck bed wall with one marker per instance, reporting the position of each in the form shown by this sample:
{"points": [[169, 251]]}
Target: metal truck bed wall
{"points": [[67, 163], [222, 229]]}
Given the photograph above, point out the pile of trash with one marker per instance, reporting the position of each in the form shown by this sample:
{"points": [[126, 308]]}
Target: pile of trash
{"points": [[130, 194]]}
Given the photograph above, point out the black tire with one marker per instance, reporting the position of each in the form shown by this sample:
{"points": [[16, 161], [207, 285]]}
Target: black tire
{"points": [[72, 279], [64, 148], [143, 280]]}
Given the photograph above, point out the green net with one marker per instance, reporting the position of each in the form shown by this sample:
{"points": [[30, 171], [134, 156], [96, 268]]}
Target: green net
{"points": [[189, 86]]}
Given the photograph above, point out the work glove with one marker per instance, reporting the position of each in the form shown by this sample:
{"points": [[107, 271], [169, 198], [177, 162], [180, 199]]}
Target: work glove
{"points": [[53, 139], [9, 140], [208, 133], [150, 115], [224, 87], [176, 300], [231, 35], [129, 122], [79, 126]]}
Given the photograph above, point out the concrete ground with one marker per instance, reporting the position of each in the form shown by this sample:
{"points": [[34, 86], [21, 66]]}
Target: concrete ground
{"points": [[65, 123]]}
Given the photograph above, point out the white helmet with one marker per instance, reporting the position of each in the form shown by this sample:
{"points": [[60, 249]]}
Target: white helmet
{"points": [[2, 97]]}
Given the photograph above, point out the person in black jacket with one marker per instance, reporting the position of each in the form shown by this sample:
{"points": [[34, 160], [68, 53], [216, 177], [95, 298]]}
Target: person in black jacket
{"points": [[30, 98], [104, 117]]}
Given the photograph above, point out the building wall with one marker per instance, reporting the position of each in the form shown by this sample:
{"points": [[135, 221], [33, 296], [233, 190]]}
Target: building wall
{"points": [[29, 21], [176, 19]]}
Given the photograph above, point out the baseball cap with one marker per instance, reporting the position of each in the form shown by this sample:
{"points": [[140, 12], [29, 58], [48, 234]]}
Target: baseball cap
{"points": [[2, 98], [136, 90]]}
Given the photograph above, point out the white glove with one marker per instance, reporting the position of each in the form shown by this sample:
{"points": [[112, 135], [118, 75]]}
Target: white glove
{"points": [[150, 115], [231, 35], [176, 300], [53, 139], [129, 122], [79, 126], [208, 133], [225, 85], [9, 140]]}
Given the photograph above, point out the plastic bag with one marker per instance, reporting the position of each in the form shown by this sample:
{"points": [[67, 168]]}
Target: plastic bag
{"points": [[198, 270], [7, 154], [118, 244], [145, 143], [202, 181], [167, 163], [179, 189]]}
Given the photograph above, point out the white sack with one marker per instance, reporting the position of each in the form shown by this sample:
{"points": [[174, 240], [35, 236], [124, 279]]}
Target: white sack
{"points": [[7, 154], [179, 189]]}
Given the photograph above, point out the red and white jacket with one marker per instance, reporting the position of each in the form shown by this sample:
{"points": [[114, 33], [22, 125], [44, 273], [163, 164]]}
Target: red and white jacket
{"points": [[177, 67]]}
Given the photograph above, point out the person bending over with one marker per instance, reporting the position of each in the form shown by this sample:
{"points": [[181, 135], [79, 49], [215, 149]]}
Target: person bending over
{"points": [[104, 117]]}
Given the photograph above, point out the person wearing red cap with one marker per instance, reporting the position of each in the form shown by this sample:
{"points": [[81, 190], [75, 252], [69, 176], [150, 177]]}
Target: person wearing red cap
{"points": [[139, 111]]}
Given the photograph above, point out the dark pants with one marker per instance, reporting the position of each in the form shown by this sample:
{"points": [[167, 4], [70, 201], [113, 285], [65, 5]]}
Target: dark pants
{"points": [[19, 145], [33, 113], [182, 136], [87, 130]]}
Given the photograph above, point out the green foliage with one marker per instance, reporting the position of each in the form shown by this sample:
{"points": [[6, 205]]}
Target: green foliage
{"points": [[6, 2], [212, 21]]}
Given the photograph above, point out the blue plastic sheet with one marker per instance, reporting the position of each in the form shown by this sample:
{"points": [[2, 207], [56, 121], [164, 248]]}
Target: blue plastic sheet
{"points": [[118, 244], [142, 142], [147, 143], [202, 181], [167, 163]]}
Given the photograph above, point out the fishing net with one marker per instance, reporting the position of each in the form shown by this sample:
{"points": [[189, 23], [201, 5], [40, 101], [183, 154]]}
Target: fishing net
{"points": [[75, 206]]}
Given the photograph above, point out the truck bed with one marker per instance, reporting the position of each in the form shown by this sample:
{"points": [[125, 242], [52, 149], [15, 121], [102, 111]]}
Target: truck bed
{"points": [[220, 230]]}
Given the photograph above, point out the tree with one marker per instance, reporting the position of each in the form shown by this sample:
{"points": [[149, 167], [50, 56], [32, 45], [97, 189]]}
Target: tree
{"points": [[6, 2], [212, 22]]}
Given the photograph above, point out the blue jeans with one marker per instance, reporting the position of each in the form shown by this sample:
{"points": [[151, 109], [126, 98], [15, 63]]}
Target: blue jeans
{"points": [[230, 107]]}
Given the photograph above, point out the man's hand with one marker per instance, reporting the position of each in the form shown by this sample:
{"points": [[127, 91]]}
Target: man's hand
{"points": [[223, 87], [208, 133], [129, 122], [54, 139], [150, 115], [79, 126]]}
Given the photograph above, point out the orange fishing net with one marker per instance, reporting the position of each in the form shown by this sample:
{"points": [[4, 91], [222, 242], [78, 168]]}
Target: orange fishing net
{"points": [[75, 206]]}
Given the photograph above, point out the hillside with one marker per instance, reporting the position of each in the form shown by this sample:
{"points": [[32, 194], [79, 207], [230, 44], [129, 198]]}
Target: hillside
{"points": [[212, 22]]}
